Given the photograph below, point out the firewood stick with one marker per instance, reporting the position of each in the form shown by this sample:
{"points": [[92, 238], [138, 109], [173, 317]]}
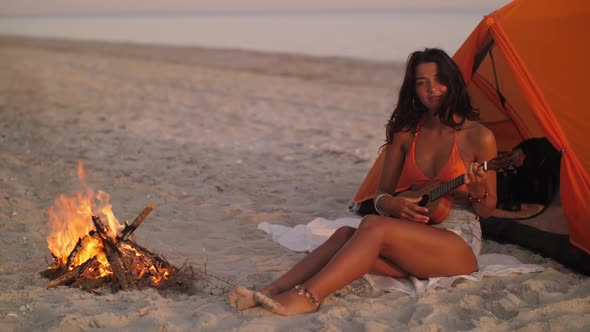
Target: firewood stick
{"points": [[121, 278], [54, 270], [75, 251], [70, 275], [100, 229], [82, 243], [91, 284], [138, 220]]}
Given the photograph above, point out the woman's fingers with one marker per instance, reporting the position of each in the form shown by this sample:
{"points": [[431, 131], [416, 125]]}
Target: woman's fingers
{"points": [[475, 173], [475, 177], [469, 174], [410, 210], [414, 212], [414, 217], [412, 203], [479, 172]]}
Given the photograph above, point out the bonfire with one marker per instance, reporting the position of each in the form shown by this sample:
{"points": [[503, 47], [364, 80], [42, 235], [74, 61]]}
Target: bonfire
{"points": [[91, 248]]}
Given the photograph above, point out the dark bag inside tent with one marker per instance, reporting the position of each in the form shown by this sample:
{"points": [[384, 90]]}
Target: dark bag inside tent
{"points": [[529, 210]]}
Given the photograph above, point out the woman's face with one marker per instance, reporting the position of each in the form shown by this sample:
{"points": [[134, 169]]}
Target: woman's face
{"points": [[428, 87]]}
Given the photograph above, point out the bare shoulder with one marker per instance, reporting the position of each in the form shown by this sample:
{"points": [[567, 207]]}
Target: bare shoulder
{"points": [[403, 139], [479, 134], [404, 136], [478, 141]]}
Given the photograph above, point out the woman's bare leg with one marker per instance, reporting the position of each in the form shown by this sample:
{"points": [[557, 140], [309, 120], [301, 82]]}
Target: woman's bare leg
{"points": [[316, 260], [383, 266], [313, 262], [421, 250], [242, 298]]}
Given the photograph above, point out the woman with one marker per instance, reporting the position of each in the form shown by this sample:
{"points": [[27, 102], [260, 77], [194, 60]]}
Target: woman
{"points": [[432, 134]]}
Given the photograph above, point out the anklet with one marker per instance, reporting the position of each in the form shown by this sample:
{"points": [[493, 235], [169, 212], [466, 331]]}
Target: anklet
{"points": [[303, 291]]}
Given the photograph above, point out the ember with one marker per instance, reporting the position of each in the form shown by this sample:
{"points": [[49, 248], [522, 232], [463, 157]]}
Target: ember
{"points": [[89, 253]]}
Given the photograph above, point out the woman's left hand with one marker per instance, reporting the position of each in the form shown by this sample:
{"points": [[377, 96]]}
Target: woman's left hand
{"points": [[475, 180]]}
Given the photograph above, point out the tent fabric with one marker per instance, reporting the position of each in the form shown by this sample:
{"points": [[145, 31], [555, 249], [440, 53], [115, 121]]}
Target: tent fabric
{"points": [[532, 53]]}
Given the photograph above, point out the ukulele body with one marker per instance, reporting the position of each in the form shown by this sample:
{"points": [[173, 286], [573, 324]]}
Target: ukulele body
{"points": [[438, 209]]}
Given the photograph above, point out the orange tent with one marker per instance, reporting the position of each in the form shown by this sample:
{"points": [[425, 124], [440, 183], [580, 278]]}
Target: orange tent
{"points": [[525, 69]]}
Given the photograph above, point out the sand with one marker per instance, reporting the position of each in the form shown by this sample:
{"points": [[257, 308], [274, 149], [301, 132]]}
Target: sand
{"points": [[221, 140]]}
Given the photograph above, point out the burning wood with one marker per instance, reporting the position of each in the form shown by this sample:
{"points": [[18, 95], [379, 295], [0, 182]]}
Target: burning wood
{"points": [[91, 249], [116, 259], [129, 229]]}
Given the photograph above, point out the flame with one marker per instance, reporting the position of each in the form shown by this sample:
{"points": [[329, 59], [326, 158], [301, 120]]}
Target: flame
{"points": [[71, 220]]}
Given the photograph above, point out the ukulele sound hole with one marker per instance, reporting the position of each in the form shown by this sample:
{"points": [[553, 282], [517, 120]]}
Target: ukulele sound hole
{"points": [[424, 200]]}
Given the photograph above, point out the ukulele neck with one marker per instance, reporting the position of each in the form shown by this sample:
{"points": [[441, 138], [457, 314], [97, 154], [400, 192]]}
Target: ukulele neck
{"points": [[446, 187]]}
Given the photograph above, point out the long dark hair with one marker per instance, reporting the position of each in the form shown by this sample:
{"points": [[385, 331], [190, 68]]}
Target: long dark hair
{"points": [[409, 109]]}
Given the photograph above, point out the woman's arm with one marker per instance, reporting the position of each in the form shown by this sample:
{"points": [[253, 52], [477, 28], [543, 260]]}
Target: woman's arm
{"points": [[385, 203], [395, 155], [482, 184]]}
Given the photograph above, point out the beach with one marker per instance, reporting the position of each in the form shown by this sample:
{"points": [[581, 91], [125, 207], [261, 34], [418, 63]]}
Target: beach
{"points": [[221, 140]]}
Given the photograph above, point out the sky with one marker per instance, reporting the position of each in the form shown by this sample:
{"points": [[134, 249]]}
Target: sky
{"points": [[45, 7]]}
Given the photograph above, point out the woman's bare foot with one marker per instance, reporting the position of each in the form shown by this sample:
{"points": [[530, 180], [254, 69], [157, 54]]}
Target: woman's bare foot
{"points": [[287, 303], [242, 298]]}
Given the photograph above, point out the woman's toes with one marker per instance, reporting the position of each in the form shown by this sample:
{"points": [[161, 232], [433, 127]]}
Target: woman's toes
{"points": [[241, 298]]}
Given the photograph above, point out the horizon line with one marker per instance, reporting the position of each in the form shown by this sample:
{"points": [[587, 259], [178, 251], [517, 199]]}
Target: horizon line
{"points": [[247, 12]]}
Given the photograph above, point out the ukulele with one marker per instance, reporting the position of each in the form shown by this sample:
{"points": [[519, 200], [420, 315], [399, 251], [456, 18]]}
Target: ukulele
{"points": [[433, 193]]}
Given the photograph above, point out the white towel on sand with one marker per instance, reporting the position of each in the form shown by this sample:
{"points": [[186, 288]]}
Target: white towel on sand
{"points": [[308, 237]]}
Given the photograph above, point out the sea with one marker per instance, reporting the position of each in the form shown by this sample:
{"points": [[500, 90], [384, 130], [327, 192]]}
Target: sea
{"points": [[386, 35]]}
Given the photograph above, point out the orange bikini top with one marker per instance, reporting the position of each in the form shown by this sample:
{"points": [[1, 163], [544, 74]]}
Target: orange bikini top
{"points": [[411, 174]]}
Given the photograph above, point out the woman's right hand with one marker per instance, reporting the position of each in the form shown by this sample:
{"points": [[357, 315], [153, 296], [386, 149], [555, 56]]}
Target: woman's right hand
{"points": [[407, 208]]}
